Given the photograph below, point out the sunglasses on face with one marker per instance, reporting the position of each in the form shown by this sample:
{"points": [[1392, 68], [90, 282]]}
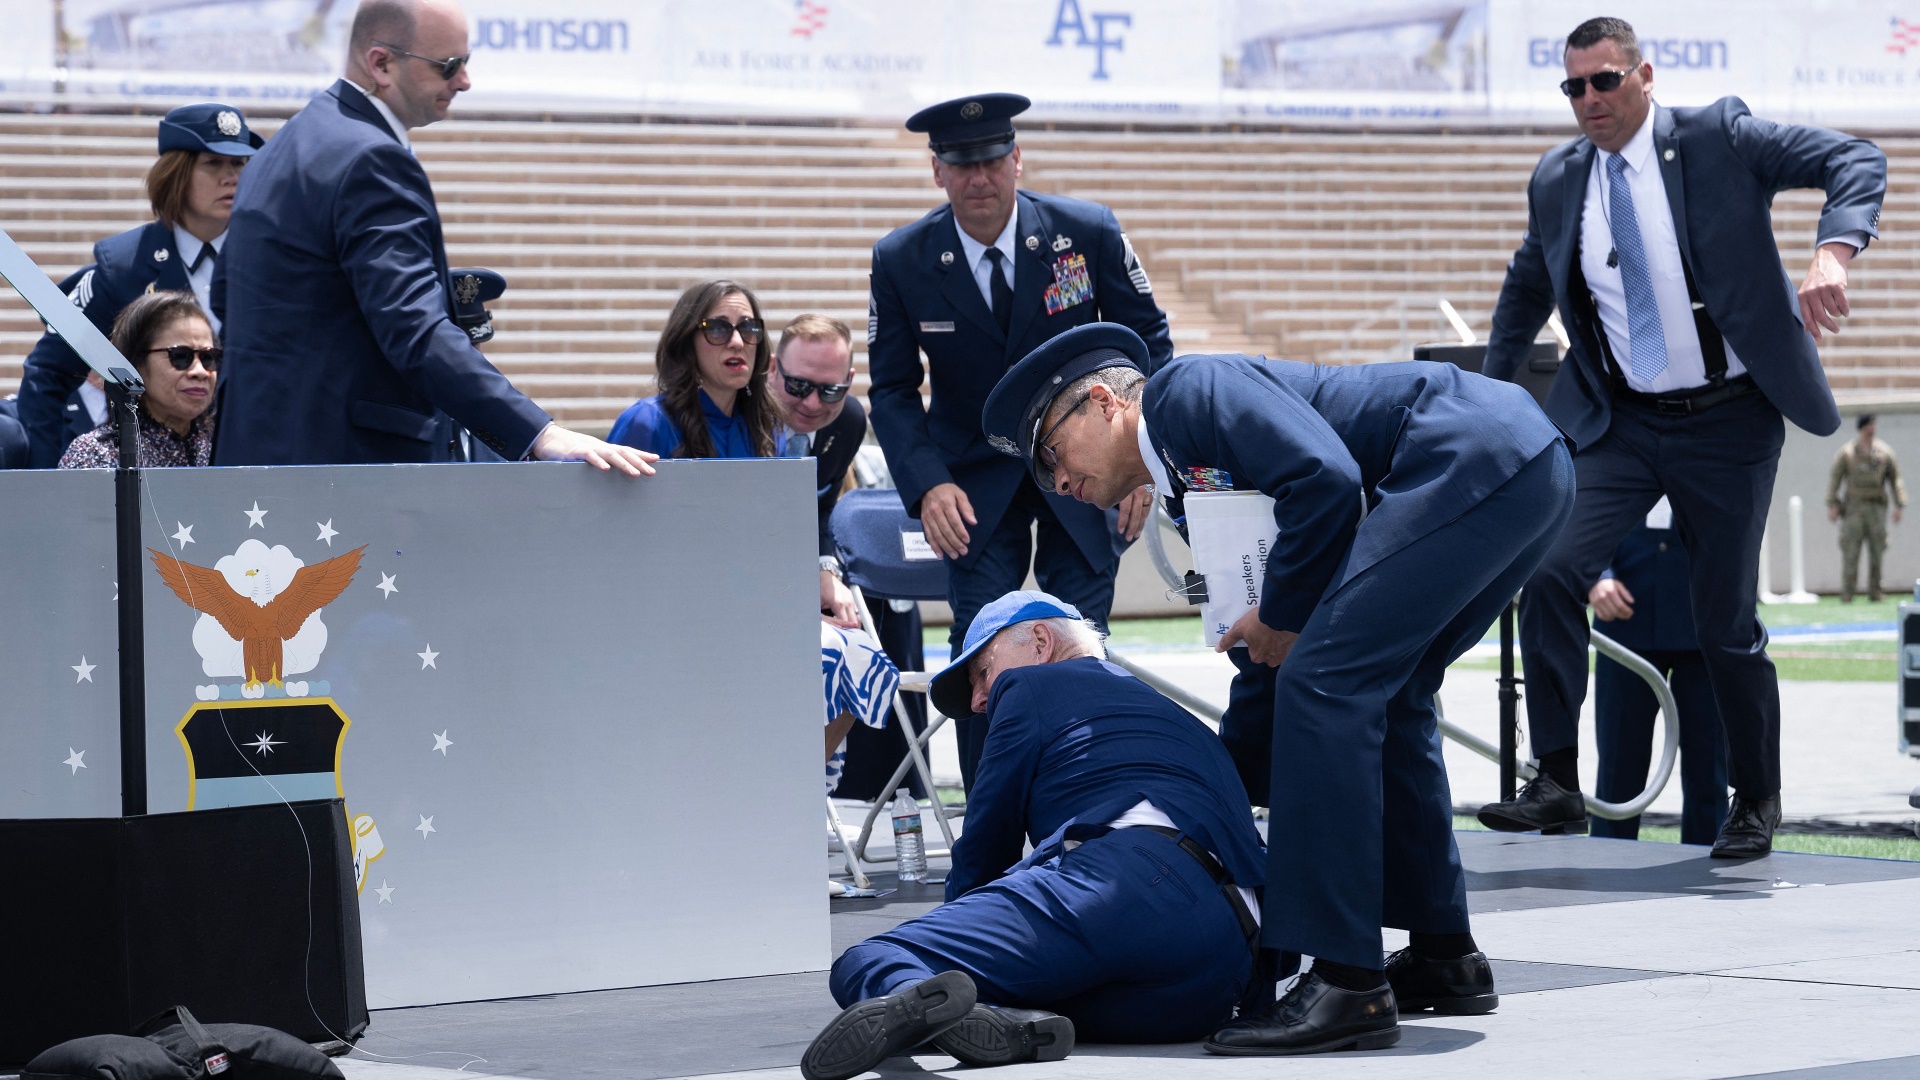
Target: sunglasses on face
{"points": [[1043, 450], [720, 331], [182, 356], [798, 389], [1604, 81], [449, 67]]}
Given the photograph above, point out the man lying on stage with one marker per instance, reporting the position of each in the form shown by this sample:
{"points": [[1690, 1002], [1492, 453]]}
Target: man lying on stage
{"points": [[1132, 919]]}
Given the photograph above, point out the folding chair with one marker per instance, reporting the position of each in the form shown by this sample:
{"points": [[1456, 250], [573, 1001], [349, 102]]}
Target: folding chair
{"points": [[884, 556]]}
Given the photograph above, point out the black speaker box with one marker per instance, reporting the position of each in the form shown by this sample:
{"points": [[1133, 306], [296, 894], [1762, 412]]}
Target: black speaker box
{"points": [[246, 914], [1535, 375]]}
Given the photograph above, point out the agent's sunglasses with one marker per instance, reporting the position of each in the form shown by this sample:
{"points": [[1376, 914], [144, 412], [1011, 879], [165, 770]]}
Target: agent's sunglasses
{"points": [[182, 356], [1604, 81], [720, 331], [449, 67], [800, 388]]}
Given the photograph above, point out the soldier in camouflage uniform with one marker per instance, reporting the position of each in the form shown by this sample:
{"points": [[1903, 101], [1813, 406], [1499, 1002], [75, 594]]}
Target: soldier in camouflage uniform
{"points": [[1865, 473]]}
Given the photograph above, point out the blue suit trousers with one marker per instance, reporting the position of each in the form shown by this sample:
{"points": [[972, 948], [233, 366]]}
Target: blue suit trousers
{"points": [[1623, 713], [1362, 824], [1125, 935]]}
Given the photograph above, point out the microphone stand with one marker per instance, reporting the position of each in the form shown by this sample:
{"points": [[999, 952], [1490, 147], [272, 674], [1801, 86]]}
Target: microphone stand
{"points": [[123, 406]]}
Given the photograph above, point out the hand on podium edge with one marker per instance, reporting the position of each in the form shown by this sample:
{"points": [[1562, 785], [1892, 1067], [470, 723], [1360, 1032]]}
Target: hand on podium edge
{"points": [[555, 443]]}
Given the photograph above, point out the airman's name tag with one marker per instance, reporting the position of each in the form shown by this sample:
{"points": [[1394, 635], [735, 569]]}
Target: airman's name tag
{"points": [[936, 328], [914, 547]]}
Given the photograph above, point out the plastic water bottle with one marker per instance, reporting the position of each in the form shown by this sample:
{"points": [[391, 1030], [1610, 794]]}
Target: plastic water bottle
{"points": [[908, 843]]}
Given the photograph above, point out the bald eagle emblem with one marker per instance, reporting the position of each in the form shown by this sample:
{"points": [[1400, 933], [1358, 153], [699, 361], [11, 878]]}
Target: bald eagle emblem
{"points": [[971, 111], [228, 122], [267, 614], [466, 289]]}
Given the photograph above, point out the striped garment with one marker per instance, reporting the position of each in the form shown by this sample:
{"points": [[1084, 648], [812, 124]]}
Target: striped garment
{"points": [[857, 678]]}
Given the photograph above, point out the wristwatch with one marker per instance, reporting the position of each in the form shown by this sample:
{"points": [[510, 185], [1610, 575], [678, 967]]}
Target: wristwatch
{"points": [[830, 564]]}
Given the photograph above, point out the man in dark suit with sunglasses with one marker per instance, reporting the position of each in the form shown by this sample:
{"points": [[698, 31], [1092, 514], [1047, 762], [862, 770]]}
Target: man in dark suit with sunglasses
{"points": [[338, 299], [1652, 236], [976, 285]]}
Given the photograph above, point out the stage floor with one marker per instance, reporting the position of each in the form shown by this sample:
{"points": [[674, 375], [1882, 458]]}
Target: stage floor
{"points": [[1613, 959]]}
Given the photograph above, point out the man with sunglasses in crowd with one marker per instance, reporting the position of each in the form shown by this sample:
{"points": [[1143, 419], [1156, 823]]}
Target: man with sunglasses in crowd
{"points": [[335, 289], [975, 285], [1652, 235]]}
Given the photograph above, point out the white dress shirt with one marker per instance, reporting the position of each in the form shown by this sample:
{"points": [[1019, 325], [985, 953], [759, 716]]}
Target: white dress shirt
{"points": [[976, 253], [1686, 367], [1162, 484], [393, 121], [187, 246]]}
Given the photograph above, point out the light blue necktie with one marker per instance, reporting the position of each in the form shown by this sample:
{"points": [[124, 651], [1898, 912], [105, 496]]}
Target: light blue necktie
{"points": [[1647, 339], [797, 446]]}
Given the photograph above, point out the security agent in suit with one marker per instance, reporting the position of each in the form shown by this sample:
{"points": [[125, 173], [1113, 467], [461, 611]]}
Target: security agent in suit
{"points": [[1642, 602], [1133, 918], [1651, 234], [1466, 485], [340, 340], [976, 285], [178, 252]]}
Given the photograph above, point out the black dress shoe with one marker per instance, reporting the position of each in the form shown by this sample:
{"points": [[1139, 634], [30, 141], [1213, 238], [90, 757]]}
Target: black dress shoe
{"points": [[1543, 805], [992, 1035], [1748, 830], [1462, 986], [1314, 1016], [871, 1031]]}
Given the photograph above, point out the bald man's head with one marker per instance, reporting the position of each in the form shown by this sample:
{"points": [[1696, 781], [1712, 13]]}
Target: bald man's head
{"points": [[398, 49]]}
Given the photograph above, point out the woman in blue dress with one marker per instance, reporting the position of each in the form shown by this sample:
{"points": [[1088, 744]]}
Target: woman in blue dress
{"points": [[711, 370]]}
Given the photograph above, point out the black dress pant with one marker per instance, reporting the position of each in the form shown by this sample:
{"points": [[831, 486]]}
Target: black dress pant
{"points": [[1717, 468]]}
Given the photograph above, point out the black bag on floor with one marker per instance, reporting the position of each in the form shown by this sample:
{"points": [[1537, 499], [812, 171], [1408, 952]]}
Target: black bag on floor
{"points": [[175, 1046]]}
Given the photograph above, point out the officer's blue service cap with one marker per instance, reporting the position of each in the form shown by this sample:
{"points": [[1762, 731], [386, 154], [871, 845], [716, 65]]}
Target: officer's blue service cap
{"points": [[211, 126], [951, 691], [1019, 403], [472, 288], [969, 129]]}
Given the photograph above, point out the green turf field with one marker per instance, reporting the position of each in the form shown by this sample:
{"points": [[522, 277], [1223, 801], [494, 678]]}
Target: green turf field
{"points": [[1859, 847]]}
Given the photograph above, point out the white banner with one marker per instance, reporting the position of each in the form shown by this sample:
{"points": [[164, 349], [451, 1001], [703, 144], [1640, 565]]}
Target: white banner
{"points": [[1844, 62]]}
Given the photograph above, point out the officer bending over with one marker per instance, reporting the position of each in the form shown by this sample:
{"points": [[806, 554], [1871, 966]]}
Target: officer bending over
{"points": [[1467, 484], [1133, 919]]}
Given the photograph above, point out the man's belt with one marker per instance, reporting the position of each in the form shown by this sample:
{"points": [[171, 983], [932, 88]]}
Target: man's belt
{"points": [[1686, 402], [1249, 927]]}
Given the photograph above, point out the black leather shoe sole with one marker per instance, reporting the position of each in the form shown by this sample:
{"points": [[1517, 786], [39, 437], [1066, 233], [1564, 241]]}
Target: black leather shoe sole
{"points": [[991, 1036], [1366, 1040], [1499, 822], [871, 1031], [1466, 1005], [1745, 849]]}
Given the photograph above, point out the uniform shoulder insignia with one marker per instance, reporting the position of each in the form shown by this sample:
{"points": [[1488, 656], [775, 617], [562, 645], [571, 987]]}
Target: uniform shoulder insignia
{"points": [[83, 291], [1135, 272]]}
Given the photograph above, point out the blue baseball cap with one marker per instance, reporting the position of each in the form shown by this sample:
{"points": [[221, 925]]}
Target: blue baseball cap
{"points": [[951, 691], [1014, 410], [210, 126], [969, 129]]}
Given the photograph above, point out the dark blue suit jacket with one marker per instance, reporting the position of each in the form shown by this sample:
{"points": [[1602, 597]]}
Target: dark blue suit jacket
{"points": [[924, 299], [124, 266], [1424, 442], [1722, 167], [338, 329], [1653, 566], [1072, 746]]}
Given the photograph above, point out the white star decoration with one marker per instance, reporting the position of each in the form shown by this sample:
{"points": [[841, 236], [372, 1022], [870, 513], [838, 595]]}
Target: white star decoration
{"points": [[441, 742], [327, 531], [425, 826], [427, 659], [185, 535], [256, 516], [75, 759], [265, 743], [85, 669], [386, 892], [387, 587]]}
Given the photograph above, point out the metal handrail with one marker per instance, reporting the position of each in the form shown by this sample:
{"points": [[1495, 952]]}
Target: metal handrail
{"points": [[1602, 644]]}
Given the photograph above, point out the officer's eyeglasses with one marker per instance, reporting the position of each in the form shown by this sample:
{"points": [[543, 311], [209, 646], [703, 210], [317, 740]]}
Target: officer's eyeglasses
{"points": [[720, 331], [798, 389], [1604, 81], [183, 356], [1043, 450], [449, 67]]}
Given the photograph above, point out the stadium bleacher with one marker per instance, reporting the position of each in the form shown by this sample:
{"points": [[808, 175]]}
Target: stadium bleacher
{"points": [[1333, 247]]}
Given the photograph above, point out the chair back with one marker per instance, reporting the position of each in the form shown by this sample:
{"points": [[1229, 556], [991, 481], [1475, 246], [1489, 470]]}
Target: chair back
{"points": [[882, 550]]}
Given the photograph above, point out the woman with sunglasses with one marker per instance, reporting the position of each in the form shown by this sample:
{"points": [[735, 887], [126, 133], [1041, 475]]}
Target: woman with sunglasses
{"points": [[171, 344], [711, 367]]}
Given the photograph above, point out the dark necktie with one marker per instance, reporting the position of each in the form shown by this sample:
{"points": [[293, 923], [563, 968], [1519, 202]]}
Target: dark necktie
{"points": [[207, 255], [1001, 291]]}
